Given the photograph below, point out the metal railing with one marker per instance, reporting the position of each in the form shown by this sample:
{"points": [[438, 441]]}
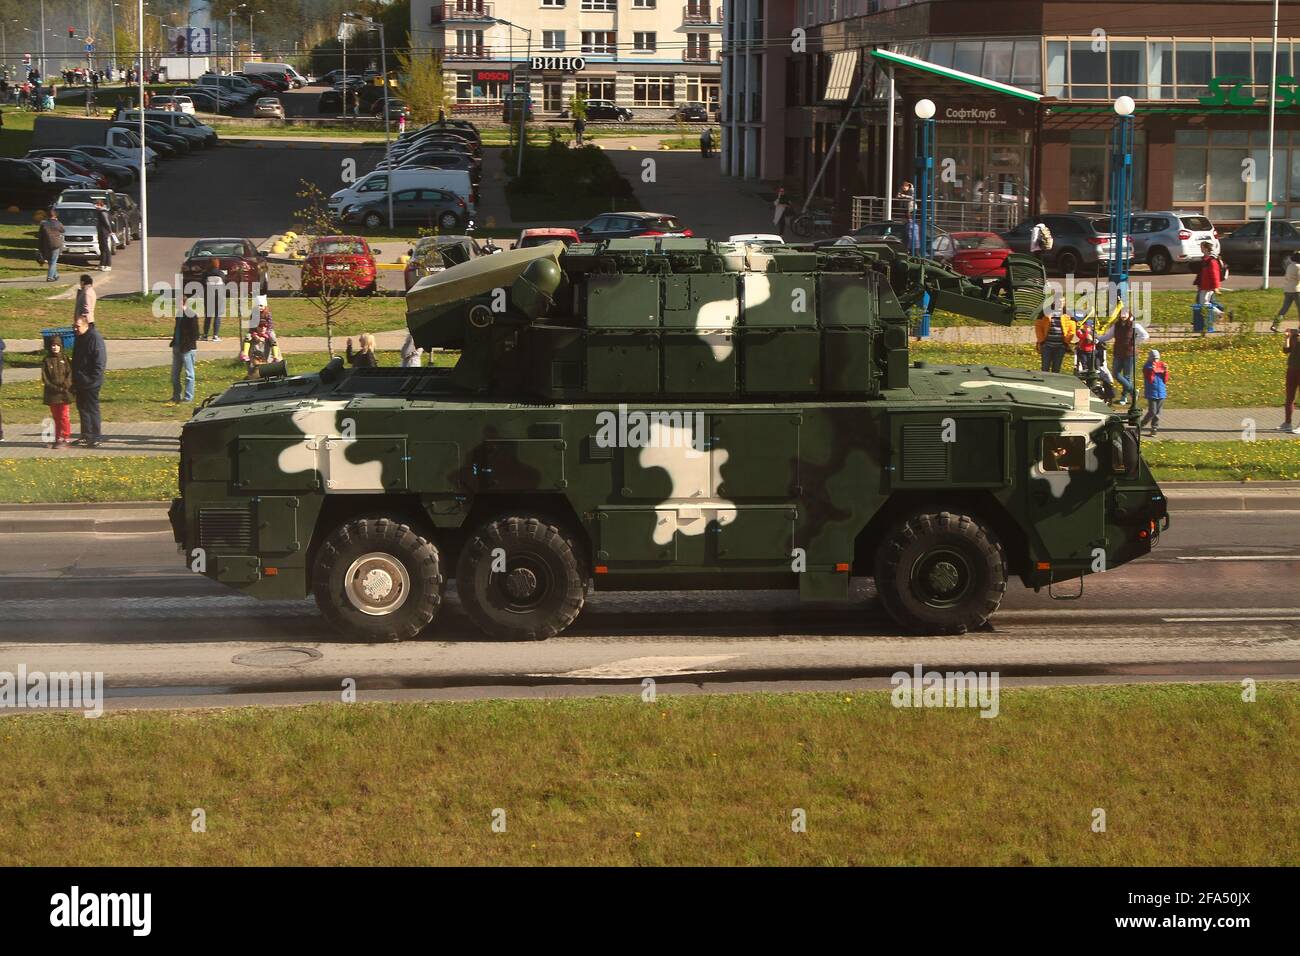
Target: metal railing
{"points": [[700, 13], [471, 53], [702, 54], [949, 214], [469, 10]]}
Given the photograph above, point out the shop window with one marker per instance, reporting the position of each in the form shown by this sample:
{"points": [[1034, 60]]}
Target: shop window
{"points": [[1229, 137], [652, 89], [1225, 175], [1160, 70], [997, 60], [1128, 71], [1087, 72], [941, 52], [596, 87], [1194, 70], [1189, 175], [1056, 78], [1232, 59]]}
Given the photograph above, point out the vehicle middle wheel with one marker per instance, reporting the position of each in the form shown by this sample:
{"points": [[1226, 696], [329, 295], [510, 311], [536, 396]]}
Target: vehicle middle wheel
{"points": [[1159, 261], [376, 579], [519, 578], [373, 220], [941, 573]]}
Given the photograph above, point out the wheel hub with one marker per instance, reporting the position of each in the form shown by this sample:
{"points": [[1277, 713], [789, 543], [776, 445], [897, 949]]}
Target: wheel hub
{"points": [[377, 584], [944, 577], [520, 584]]}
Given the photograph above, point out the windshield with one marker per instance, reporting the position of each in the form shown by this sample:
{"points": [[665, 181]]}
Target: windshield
{"points": [[1197, 223], [980, 242], [217, 248], [77, 217], [338, 247]]}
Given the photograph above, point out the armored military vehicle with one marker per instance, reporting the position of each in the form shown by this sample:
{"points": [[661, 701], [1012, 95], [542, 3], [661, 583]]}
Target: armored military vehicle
{"points": [[666, 414]]}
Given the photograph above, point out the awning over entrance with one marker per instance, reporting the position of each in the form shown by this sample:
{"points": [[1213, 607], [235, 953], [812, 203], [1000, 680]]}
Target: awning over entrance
{"points": [[922, 78]]}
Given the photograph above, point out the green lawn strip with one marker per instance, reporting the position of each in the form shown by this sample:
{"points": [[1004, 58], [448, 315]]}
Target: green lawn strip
{"points": [[18, 248], [1274, 460], [24, 312], [64, 479], [1187, 775], [1214, 372]]}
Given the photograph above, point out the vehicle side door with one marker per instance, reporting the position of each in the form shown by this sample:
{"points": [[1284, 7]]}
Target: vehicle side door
{"points": [[1068, 233], [596, 229], [1018, 238], [406, 206]]}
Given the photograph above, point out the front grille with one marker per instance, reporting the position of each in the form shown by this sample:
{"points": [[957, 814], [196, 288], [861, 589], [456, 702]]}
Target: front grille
{"points": [[222, 529]]}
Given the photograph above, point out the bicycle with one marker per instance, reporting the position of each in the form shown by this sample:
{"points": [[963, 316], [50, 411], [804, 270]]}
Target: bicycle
{"points": [[812, 224]]}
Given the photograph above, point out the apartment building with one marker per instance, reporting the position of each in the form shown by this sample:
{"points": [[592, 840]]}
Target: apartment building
{"points": [[650, 56]]}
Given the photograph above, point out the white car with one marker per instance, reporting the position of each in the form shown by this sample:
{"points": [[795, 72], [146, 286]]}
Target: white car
{"points": [[758, 239], [80, 230], [179, 103]]}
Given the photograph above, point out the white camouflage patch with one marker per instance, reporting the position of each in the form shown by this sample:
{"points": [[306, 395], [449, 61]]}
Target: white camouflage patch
{"points": [[324, 450], [695, 475]]}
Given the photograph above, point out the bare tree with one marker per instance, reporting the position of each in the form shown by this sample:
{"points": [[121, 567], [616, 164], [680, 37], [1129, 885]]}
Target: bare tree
{"points": [[330, 291]]}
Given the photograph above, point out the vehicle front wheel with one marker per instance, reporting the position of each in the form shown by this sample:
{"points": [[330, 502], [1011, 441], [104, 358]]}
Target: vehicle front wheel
{"points": [[1068, 262], [519, 578], [375, 579], [449, 220], [373, 220], [941, 573], [1159, 261]]}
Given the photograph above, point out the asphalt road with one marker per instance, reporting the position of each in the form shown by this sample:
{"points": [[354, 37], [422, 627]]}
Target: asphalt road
{"points": [[1216, 601]]}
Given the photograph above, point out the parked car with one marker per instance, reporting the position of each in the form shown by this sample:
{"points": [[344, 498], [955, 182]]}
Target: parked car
{"points": [[1161, 239], [604, 111], [627, 225], [1080, 241], [80, 231], [221, 260], [434, 254], [539, 237], [67, 171], [396, 108], [337, 262], [438, 159], [269, 106], [893, 229], [452, 139], [421, 207], [692, 113], [978, 255], [1243, 248], [179, 103], [117, 155], [122, 210], [330, 102], [119, 174], [21, 185]]}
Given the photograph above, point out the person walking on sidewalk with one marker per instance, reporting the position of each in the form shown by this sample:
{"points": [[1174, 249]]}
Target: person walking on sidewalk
{"points": [[780, 211], [1291, 347], [86, 297], [104, 231], [579, 127], [706, 142], [1128, 335], [185, 342], [1054, 333], [1209, 279], [1290, 290], [56, 376], [50, 240], [1155, 375], [89, 360]]}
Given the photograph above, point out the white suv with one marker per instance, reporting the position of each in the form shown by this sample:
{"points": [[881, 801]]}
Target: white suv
{"points": [[1161, 239]]}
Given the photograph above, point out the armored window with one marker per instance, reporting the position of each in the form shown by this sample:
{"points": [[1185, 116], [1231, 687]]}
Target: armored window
{"points": [[1064, 452]]}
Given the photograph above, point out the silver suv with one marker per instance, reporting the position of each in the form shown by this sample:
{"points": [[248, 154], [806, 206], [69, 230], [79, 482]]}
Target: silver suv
{"points": [[1161, 239]]}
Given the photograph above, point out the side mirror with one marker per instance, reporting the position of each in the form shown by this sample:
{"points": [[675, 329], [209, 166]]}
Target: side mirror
{"points": [[376, 251]]}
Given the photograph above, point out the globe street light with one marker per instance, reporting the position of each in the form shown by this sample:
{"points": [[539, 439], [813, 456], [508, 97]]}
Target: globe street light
{"points": [[1121, 195]]}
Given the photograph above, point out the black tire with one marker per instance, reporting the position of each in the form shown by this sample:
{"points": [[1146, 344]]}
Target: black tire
{"points": [[373, 220], [397, 557], [802, 226], [1068, 262], [941, 573], [1160, 261], [542, 589], [449, 220]]}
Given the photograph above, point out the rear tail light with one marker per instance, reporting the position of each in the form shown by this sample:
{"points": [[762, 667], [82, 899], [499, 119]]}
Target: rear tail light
{"points": [[1184, 235], [1098, 240], [688, 233]]}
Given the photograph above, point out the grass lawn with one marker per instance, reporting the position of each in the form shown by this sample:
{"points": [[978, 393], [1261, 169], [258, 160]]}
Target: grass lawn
{"points": [[134, 478], [24, 312], [1187, 775], [1224, 460], [1215, 372], [18, 249]]}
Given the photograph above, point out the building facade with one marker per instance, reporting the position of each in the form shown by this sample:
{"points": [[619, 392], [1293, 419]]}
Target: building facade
{"points": [[1200, 73], [650, 56]]}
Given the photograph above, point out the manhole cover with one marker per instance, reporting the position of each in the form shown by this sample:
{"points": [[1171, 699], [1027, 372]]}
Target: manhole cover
{"points": [[277, 657]]}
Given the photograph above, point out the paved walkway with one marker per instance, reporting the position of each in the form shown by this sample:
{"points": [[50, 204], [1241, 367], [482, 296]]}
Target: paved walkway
{"points": [[160, 438]]}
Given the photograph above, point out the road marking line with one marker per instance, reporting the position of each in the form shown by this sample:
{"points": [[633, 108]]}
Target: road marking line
{"points": [[1217, 620], [1241, 557]]}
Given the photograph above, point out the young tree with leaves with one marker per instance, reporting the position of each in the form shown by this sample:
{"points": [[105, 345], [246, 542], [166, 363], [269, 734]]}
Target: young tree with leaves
{"points": [[424, 87], [333, 292]]}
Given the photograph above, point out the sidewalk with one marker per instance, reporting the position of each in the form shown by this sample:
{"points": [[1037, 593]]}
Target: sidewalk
{"points": [[161, 438]]}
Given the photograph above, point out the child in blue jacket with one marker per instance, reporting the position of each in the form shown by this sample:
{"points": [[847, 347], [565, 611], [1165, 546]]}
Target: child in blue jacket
{"points": [[1156, 376]]}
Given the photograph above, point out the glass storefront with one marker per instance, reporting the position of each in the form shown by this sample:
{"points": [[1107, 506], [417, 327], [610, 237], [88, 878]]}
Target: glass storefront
{"points": [[988, 164], [1090, 170], [1222, 173]]}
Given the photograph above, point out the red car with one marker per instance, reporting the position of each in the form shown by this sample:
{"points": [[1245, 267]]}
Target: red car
{"points": [[340, 262], [978, 255], [538, 237]]}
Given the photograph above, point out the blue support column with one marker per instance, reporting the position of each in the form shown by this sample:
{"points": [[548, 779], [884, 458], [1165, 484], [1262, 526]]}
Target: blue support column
{"points": [[924, 220], [1120, 205]]}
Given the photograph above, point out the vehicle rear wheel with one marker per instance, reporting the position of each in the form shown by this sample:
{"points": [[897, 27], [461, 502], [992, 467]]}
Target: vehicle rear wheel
{"points": [[449, 220], [519, 578], [373, 220], [375, 579], [1068, 262], [941, 573], [1159, 261]]}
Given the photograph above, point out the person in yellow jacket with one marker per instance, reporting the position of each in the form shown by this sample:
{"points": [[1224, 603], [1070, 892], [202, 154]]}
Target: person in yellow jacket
{"points": [[1055, 334]]}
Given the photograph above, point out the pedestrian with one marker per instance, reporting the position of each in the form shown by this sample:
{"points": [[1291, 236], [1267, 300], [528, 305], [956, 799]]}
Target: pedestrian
{"points": [[1155, 375], [780, 211], [56, 376], [401, 123], [89, 360], [185, 342], [260, 345], [49, 239], [2, 380], [1105, 380], [1085, 343], [1055, 334], [410, 352], [365, 357], [86, 298], [104, 232], [1209, 279], [907, 196], [1291, 348], [1290, 290], [706, 143], [1128, 335], [579, 127], [1040, 242]]}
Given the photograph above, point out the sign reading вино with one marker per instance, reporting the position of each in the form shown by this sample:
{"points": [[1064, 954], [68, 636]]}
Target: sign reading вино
{"points": [[1230, 90], [562, 64]]}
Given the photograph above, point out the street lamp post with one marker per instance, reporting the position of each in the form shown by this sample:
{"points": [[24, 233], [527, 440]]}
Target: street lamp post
{"points": [[521, 107], [144, 192], [1121, 195], [1272, 114], [231, 38], [250, 28], [924, 110], [383, 69], [112, 26]]}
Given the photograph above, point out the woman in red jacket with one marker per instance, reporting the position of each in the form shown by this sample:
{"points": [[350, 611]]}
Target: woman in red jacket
{"points": [[1209, 278]]}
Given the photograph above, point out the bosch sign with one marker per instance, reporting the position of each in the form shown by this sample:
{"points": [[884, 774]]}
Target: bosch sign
{"points": [[492, 76]]}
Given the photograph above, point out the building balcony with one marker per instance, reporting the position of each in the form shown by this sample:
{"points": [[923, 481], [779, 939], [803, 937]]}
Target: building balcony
{"points": [[468, 10], [702, 15], [474, 53], [702, 55]]}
